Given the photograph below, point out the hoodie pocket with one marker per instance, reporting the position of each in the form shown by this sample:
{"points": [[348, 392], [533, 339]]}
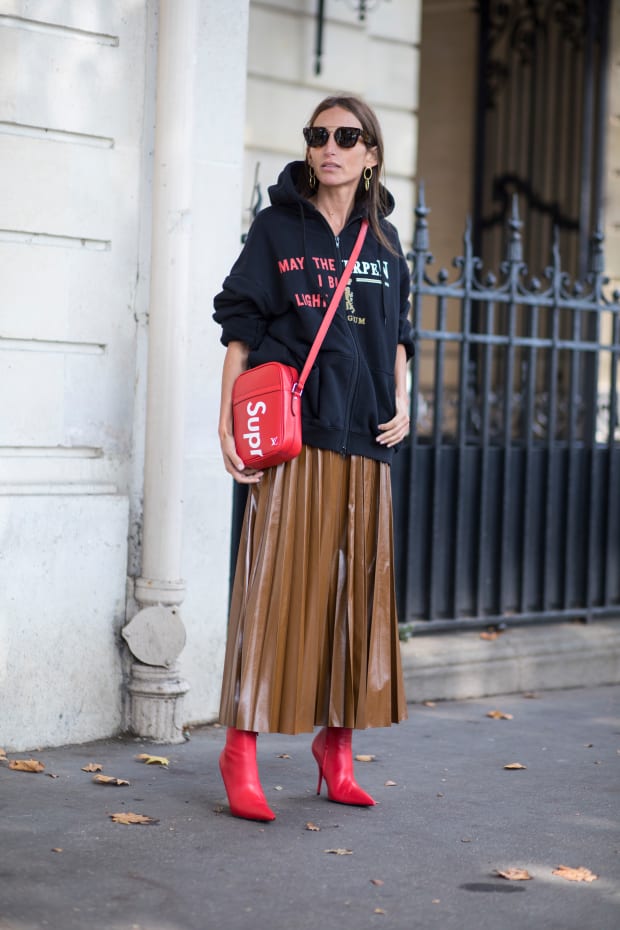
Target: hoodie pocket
{"points": [[374, 402], [327, 390]]}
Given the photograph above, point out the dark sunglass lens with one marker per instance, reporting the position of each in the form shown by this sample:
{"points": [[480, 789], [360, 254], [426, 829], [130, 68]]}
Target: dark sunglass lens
{"points": [[315, 136], [347, 136]]}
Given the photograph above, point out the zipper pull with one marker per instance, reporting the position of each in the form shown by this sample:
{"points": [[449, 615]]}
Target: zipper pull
{"points": [[337, 242]]}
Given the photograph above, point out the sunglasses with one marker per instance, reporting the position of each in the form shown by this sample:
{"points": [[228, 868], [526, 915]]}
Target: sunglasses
{"points": [[346, 136]]}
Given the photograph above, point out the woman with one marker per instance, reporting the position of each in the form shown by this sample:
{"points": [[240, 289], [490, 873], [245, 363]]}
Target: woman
{"points": [[313, 636]]}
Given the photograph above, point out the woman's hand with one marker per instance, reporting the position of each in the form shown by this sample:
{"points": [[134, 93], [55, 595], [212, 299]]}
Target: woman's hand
{"points": [[235, 362], [233, 464], [395, 430]]}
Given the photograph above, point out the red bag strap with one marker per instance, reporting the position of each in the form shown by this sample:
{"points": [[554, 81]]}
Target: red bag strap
{"points": [[331, 310]]}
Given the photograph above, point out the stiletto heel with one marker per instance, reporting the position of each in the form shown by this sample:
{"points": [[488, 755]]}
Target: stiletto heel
{"points": [[332, 750], [240, 775], [318, 751]]}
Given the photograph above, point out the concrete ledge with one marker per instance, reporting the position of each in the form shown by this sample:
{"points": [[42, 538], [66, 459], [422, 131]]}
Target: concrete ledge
{"points": [[456, 666]]}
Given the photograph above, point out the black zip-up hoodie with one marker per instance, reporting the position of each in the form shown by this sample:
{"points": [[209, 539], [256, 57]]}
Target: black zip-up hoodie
{"points": [[277, 293]]}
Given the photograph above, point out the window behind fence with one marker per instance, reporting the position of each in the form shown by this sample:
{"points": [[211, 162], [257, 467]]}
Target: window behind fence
{"points": [[540, 124]]}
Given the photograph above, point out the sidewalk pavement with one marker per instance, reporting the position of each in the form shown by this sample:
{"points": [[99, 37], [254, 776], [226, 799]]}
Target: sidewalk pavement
{"points": [[449, 814]]}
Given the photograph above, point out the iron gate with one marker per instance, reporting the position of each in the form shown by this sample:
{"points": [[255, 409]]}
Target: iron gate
{"points": [[507, 496]]}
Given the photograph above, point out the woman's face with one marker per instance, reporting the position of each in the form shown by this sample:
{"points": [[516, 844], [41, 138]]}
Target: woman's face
{"points": [[335, 166]]}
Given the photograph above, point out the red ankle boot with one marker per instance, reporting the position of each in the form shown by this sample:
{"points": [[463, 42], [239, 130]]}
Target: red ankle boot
{"points": [[331, 748], [240, 773]]}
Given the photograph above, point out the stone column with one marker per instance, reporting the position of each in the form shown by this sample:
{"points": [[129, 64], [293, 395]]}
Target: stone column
{"points": [[156, 635]]}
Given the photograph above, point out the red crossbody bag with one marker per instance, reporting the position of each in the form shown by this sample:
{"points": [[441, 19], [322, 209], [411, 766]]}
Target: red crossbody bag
{"points": [[267, 399]]}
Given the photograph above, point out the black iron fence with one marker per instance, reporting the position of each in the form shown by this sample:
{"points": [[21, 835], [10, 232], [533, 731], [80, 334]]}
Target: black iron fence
{"points": [[507, 497]]}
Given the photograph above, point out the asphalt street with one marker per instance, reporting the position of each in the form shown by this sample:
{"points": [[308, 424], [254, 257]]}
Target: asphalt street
{"points": [[449, 817]]}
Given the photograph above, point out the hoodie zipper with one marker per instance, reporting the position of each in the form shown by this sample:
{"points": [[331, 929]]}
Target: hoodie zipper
{"points": [[353, 382]]}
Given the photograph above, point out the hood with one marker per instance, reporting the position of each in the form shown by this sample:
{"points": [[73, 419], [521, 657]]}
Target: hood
{"points": [[285, 192]]}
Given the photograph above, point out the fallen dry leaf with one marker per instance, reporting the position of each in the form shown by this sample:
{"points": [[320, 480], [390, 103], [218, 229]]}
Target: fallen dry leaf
{"points": [[391, 784], [339, 852], [109, 780], [575, 875], [514, 766], [128, 817], [531, 695], [92, 767], [363, 758], [379, 910], [26, 765], [284, 755], [152, 760], [312, 826], [52, 775], [376, 881], [514, 875], [57, 849], [489, 635], [499, 715], [429, 703]]}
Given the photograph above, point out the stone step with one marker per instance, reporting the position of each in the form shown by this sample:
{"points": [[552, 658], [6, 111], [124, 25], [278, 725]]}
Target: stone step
{"points": [[460, 665]]}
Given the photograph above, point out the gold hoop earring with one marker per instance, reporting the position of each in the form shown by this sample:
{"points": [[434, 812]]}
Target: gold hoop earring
{"points": [[367, 175], [311, 177]]}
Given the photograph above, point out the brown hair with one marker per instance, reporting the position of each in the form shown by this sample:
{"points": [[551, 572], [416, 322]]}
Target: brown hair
{"points": [[374, 200]]}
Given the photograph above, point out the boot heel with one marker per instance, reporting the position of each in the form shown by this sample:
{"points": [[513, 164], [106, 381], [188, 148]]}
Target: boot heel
{"points": [[318, 751]]}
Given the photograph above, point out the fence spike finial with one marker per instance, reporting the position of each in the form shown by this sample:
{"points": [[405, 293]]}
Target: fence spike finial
{"points": [[514, 250], [556, 261], [596, 257], [468, 229], [467, 239], [420, 238]]}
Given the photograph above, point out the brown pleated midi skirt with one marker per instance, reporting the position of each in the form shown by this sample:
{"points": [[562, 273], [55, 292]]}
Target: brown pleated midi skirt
{"points": [[313, 631]]}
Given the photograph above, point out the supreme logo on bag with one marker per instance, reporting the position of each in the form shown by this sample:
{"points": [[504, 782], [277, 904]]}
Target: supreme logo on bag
{"points": [[267, 415], [257, 422]]}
